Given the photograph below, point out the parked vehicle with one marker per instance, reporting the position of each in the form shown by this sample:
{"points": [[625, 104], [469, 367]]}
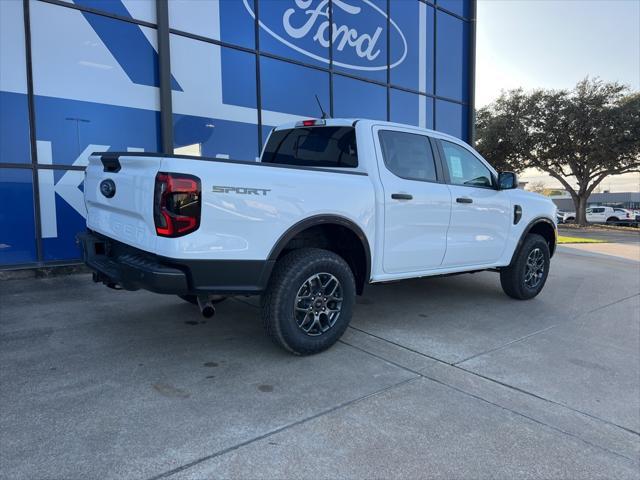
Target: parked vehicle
{"points": [[332, 206], [603, 215], [626, 217], [560, 216]]}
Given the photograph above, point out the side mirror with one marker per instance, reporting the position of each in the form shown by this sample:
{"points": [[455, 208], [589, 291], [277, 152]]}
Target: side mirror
{"points": [[507, 181]]}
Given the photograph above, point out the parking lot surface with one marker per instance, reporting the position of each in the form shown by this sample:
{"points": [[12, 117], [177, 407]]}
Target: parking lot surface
{"points": [[436, 378], [628, 235]]}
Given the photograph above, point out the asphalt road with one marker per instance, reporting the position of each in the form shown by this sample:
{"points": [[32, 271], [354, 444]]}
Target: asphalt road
{"points": [[437, 378], [607, 235]]}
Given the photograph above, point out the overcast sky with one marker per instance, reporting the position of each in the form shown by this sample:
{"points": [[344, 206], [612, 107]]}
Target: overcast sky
{"points": [[554, 44]]}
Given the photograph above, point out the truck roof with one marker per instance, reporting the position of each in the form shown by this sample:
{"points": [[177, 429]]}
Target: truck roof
{"points": [[347, 122]]}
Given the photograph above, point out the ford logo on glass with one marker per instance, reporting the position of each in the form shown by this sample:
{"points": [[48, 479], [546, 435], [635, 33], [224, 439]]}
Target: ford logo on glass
{"points": [[108, 188], [305, 25]]}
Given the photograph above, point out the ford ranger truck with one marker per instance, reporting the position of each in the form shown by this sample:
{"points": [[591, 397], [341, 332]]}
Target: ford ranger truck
{"points": [[331, 206]]}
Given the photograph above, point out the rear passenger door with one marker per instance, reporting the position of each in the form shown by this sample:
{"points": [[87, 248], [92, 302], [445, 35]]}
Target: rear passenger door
{"points": [[598, 215], [417, 203]]}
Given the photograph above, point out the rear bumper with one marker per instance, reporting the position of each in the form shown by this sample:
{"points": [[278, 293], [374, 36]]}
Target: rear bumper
{"points": [[117, 264]]}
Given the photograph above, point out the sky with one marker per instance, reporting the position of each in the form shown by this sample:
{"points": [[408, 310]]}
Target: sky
{"points": [[554, 44]]}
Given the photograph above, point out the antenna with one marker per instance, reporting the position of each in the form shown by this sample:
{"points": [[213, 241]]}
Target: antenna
{"points": [[324, 114]]}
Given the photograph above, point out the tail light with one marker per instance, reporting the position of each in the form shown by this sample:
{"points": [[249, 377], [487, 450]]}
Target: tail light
{"points": [[176, 204]]}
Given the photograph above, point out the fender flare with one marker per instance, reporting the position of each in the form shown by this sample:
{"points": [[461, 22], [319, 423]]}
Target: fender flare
{"points": [[527, 230], [316, 220]]}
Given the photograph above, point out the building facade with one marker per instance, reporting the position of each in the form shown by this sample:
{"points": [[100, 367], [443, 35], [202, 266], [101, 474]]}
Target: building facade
{"points": [[203, 77]]}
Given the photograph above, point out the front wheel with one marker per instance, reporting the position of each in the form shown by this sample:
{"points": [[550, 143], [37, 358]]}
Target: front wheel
{"points": [[309, 301], [527, 274]]}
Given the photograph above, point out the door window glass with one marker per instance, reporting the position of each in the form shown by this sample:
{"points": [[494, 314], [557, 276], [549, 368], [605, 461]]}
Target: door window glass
{"points": [[408, 155], [464, 167]]}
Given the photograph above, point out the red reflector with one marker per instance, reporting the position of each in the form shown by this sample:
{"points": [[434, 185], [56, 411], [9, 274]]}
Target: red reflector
{"points": [[176, 204], [179, 184], [308, 123]]}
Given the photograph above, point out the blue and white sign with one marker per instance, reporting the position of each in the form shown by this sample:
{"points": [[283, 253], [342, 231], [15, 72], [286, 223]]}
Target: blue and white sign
{"points": [[304, 27], [96, 88]]}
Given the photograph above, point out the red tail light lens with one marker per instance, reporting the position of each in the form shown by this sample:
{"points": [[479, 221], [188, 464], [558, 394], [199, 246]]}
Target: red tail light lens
{"points": [[176, 204]]}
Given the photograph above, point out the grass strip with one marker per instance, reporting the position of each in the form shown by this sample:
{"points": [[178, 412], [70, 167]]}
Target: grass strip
{"points": [[562, 239]]}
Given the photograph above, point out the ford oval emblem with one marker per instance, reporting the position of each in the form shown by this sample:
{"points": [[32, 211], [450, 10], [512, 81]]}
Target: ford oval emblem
{"points": [[108, 188], [304, 27]]}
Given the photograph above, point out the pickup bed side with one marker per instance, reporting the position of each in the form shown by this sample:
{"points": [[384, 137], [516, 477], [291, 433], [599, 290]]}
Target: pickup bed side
{"points": [[250, 212]]}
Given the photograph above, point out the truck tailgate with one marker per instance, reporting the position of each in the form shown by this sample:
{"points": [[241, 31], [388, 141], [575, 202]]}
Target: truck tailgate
{"points": [[126, 214]]}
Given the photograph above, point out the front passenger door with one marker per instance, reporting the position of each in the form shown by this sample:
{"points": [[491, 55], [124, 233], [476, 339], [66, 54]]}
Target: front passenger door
{"points": [[598, 215], [590, 215], [481, 215]]}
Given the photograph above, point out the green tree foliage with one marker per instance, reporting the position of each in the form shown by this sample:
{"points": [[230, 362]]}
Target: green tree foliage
{"points": [[588, 133]]}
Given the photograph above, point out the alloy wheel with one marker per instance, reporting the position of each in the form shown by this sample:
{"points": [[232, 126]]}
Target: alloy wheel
{"points": [[534, 268], [318, 303]]}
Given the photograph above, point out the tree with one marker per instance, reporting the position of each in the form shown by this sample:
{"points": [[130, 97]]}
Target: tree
{"points": [[588, 133]]}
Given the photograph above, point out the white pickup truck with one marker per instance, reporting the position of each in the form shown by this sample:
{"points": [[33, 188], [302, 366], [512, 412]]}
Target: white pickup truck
{"points": [[331, 206], [602, 214]]}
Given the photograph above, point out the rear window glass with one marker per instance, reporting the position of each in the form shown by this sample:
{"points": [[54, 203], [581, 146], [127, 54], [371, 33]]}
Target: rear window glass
{"points": [[313, 147], [408, 155]]}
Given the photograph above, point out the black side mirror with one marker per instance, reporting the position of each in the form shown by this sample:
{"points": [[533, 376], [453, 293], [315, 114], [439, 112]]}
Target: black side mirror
{"points": [[507, 181]]}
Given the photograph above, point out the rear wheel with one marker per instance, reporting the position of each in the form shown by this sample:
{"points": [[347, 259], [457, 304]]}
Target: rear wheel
{"points": [[527, 274], [309, 301], [613, 220]]}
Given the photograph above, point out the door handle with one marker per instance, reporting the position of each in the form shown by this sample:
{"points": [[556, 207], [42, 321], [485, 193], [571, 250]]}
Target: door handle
{"points": [[401, 196], [464, 200]]}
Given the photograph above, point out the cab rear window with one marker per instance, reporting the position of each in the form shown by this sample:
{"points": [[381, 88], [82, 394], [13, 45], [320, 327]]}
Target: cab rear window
{"points": [[313, 147]]}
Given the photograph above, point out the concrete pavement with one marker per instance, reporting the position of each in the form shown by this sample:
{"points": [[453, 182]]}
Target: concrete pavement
{"points": [[437, 378], [629, 251]]}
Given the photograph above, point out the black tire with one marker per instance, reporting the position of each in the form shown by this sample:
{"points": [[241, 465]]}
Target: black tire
{"points": [[292, 276], [570, 220], [194, 299], [515, 279], [612, 220]]}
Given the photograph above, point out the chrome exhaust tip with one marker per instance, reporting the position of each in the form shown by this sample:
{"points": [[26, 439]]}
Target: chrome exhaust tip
{"points": [[206, 307]]}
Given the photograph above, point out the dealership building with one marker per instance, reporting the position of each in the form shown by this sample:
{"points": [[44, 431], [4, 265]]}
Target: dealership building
{"points": [[202, 77]]}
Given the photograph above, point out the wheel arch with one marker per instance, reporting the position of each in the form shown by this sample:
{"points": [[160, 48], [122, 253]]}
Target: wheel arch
{"points": [[354, 248], [543, 226]]}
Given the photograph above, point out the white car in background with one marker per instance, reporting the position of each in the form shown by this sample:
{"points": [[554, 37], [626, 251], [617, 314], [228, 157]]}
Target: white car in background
{"points": [[606, 215]]}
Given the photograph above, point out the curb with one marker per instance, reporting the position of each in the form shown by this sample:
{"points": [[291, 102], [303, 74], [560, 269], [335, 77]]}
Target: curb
{"points": [[43, 272]]}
